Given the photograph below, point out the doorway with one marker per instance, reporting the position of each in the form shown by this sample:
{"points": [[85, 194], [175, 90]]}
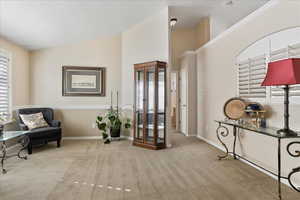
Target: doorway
{"points": [[174, 100], [183, 100]]}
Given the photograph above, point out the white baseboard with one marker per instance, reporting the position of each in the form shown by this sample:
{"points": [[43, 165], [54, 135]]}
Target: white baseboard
{"points": [[210, 142], [92, 138], [129, 138], [244, 161], [100, 138], [190, 135], [83, 138]]}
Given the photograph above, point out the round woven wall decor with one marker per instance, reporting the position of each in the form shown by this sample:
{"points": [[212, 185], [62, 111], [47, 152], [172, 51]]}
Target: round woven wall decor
{"points": [[234, 108]]}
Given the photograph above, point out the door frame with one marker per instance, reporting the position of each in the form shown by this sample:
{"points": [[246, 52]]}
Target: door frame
{"points": [[187, 99]]}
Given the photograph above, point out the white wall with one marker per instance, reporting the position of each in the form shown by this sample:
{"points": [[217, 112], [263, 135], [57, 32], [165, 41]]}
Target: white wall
{"points": [[147, 41], [217, 82]]}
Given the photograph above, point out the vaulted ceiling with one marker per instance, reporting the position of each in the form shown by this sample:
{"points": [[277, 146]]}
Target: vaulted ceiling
{"points": [[37, 24]]}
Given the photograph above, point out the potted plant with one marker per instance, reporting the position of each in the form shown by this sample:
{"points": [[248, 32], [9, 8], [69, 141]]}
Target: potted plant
{"points": [[112, 121]]}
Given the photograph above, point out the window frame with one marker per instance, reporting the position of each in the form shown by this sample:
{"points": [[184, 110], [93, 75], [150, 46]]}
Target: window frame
{"points": [[287, 53], [8, 55], [261, 58], [270, 98]]}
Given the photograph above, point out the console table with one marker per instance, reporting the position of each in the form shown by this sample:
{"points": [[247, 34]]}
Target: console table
{"points": [[222, 131], [23, 139]]}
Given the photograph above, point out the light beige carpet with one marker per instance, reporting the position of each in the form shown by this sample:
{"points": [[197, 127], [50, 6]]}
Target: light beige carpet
{"points": [[90, 170]]}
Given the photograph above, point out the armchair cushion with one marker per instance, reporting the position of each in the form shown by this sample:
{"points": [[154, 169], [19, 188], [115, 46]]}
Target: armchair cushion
{"points": [[46, 132], [33, 121]]}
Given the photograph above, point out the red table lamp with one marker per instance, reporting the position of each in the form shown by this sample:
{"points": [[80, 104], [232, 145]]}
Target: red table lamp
{"points": [[284, 72]]}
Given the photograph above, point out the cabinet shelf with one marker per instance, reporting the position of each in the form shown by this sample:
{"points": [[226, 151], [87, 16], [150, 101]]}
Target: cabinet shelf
{"points": [[151, 127], [159, 112]]}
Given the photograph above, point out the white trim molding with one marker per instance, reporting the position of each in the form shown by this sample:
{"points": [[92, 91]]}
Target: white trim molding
{"points": [[188, 53], [127, 107], [92, 138], [83, 138], [74, 107], [240, 23]]}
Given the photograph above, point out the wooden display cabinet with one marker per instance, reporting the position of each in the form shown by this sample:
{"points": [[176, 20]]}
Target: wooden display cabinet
{"points": [[150, 105]]}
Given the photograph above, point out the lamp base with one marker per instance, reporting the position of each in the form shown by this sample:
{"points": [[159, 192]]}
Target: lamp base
{"points": [[288, 132]]}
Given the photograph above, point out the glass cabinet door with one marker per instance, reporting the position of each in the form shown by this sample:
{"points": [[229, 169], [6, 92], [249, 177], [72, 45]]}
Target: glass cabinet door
{"points": [[150, 106], [139, 103], [161, 112]]}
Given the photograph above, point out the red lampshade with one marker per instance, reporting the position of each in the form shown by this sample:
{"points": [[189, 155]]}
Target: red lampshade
{"points": [[283, 72]]}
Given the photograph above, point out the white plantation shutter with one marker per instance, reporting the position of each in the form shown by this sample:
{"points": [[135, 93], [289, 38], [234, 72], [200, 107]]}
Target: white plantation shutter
{"points": [[4, 87], [292, 51], [251, 73]]}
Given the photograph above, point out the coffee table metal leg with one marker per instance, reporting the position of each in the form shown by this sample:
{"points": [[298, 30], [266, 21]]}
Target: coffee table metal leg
{"points": [[24, 142], [3, 157]]}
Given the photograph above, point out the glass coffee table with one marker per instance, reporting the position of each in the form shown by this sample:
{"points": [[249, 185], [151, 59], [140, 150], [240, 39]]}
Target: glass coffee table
{"points": [[23, 140]]}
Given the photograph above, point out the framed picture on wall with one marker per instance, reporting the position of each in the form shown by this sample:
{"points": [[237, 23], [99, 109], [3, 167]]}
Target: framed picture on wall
{"points": [[83, 81]]}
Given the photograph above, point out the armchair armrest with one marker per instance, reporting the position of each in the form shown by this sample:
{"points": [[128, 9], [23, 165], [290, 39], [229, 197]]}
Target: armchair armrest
{"points": [[23, 127], [55, 123]]}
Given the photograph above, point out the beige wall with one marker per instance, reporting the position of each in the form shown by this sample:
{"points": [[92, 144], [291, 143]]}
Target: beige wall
{"points": [[19, 72], [78, 122], [202, 32], [46, 71], [217, 82], [189, 39], [77, 113], [182, 40], [144, 42]]}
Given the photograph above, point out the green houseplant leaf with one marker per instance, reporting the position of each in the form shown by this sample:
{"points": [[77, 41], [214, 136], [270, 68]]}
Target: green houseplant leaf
{"points": [[112, 120]]}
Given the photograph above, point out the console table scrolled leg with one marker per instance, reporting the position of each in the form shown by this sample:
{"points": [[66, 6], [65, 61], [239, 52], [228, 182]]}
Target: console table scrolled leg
{"points": [[224, 132], [234, 143], [279, 168], [3, 157], [24, 142], [295, 154]]}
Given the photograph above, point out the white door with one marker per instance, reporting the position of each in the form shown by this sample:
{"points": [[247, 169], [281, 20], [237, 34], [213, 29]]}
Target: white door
{"points": [[183, 101]]}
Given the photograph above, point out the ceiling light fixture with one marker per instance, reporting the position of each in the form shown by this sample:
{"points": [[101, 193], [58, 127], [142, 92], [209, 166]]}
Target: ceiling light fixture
{"points": [[173, 22], [229, 3]]}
